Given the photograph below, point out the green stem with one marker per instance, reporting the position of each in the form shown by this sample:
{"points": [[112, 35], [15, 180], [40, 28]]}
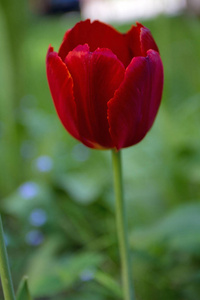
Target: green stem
{"points": [[122, 231], [5, 269]]}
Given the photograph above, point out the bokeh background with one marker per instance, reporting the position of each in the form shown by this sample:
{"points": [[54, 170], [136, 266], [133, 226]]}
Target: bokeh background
{"points": [[57, 200]]}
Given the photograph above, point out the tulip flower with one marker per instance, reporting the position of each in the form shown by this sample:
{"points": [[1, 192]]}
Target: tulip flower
{"points": [[106, 86]]}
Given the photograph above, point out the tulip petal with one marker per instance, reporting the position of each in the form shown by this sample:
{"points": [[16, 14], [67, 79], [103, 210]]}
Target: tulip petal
{"points": [[96, 35], [96, 76], [134, 106], [61, 87], [140, 40]]}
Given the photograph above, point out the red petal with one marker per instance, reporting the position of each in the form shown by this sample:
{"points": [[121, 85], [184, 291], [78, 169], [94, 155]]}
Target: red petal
{"points": [[96, 35], [147, 41], [140, 40], [61, 87], [134, 106], [96, 76]]}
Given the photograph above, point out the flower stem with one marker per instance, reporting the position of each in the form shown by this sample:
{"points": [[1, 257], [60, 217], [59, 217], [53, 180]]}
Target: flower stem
{"points": [[5, 269], [122, 231]]}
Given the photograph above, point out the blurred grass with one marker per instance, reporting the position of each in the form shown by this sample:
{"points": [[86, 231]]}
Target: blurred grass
{"points": [[63, 207]]}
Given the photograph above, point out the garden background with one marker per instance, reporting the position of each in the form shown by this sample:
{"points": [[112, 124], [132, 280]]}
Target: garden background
{"points": [[57, 200]]}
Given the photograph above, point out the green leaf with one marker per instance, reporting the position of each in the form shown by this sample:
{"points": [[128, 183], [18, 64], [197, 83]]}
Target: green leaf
{"points": [[62, 274], [23, 292], [109, 283], [178, 231]]}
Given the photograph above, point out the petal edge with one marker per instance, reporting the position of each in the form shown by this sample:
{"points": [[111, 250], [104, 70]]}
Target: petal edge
{"points": [[61, 87]]}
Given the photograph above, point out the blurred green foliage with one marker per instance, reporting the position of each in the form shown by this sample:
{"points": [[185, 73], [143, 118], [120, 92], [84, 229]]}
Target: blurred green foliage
{"points": [[57, 197]]}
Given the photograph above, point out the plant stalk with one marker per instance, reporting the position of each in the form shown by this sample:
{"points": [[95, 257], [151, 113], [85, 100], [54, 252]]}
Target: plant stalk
{"points": [[122, 229], [6, 279]]}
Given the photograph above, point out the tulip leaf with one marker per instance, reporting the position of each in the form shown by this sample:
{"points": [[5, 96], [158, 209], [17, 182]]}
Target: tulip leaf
{"points": [[23, 292]]}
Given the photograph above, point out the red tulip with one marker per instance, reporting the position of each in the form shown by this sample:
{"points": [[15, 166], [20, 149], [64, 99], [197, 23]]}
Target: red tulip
{"points": [[106, 86]]}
